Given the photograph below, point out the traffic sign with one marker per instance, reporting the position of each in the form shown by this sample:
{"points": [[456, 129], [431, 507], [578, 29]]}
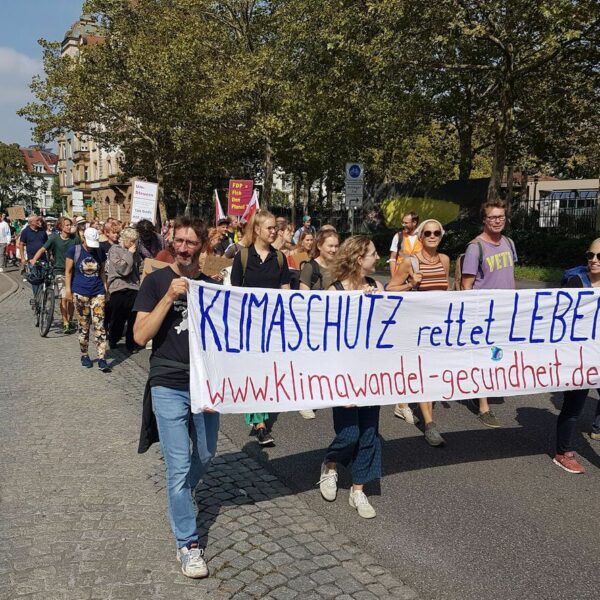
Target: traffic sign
{"points": [[355, 171], [354, 184]]}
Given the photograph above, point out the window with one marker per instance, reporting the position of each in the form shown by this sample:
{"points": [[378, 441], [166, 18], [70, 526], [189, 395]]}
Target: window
{"points": [[86, 174]]}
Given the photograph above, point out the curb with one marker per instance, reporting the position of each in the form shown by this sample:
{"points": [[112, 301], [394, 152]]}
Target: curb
{"points": [[13, 289]]}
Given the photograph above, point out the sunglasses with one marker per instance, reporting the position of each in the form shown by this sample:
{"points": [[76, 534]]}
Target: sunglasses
{"points": [[591, 255], [429, 233]]}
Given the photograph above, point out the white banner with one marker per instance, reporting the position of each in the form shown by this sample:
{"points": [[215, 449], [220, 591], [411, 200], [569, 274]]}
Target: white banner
{"points": [[254, 350], [143, 201]]}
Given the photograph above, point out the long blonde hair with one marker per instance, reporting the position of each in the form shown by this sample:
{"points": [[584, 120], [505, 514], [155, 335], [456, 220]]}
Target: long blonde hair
{"points": [[345, 263], [257, 219]]}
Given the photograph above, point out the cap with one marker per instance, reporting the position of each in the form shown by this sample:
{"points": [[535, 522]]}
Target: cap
{"points": [[223, 222], [305, 218], [91, 237], [79, 220]]}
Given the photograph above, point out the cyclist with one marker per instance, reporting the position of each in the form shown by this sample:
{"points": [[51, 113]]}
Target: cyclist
{"points": [[57, 246]]}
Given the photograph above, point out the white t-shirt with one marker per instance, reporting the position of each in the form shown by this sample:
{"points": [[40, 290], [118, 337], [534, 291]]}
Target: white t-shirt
{"points": [[4, 233]]}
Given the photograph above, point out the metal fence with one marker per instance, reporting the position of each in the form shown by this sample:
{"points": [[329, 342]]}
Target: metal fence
{"points": [[575, 211]]}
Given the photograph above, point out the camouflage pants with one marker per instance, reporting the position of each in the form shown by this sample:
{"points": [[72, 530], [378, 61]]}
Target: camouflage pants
{"points": [[90, 312]]}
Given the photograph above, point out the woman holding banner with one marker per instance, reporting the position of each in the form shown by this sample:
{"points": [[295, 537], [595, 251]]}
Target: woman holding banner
{"points": [[356, 427], [429, 274], [259, 265], [574, 400]]}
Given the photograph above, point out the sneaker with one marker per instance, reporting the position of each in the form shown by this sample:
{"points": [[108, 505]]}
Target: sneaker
{"points": [[192, 561], [1, 270], [86, 361], [328, 483], [360, 502], [595, 435], [263, 437], [66, 328], [432, 435], [307, 414], [489, 419], [568, 463], [73, 327], [405, 413], [103, 366]]}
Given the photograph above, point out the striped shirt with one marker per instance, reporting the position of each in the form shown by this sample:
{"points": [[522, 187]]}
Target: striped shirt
{"points": [[434, 276]]}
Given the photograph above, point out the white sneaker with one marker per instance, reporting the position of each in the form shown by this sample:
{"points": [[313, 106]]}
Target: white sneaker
{"points": [[360, 502], [405, 412], [307, 414], [192, 562], [1, 270], [328, 483]]}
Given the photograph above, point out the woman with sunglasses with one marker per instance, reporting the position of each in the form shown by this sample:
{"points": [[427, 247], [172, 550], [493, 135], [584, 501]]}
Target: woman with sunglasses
{"points": [[574, 400], [356, 428], [428, 274]]}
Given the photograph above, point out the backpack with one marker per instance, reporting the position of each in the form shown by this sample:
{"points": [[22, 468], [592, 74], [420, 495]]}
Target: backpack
{"points": [[338, 284], [244, 259], [316, 277], [461, 258], [581, 272]]}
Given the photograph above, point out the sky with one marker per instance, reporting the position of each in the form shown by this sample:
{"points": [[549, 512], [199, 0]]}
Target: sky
{"points": [[22, 24]]}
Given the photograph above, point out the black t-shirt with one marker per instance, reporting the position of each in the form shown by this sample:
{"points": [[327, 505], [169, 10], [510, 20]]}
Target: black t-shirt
{"points": [[259, 274], [171, 340]]}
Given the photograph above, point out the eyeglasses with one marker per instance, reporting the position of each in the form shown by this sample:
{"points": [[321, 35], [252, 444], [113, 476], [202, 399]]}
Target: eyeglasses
{"points": [[497, 219], [181, 242], [591, 255], [429, 233]]}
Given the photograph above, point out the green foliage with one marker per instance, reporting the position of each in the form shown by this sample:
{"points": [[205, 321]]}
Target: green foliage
{"points": [[17, 186], [427, 208]]}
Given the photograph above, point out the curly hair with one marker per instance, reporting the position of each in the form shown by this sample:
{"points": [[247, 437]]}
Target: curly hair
{"points": [[345, 264], [129, 234]]}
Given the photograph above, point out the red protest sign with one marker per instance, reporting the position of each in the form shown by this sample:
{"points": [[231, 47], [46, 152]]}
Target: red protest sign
{"points": [[240, 192]]}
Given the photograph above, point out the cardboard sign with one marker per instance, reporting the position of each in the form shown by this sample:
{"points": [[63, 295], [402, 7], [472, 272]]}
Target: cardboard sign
{"points": [[151, 265], [213, 265], [16, 212], [263, 350], [143, 201], [240, 193]]}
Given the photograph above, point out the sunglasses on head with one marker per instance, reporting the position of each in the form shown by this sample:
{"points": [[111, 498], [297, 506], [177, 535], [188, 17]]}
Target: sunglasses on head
{"points": [[429, 233], [591, 255]]}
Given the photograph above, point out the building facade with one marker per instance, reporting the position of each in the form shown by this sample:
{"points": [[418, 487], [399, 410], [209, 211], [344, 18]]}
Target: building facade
{"points": [[42, 165]]}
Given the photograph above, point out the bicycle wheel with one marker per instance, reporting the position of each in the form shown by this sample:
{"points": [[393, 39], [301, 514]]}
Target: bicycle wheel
{"points": [[37, 305], [47, 311]]}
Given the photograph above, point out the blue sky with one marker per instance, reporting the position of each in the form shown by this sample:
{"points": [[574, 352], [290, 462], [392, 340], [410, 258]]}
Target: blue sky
{"points": [[22, 23]]}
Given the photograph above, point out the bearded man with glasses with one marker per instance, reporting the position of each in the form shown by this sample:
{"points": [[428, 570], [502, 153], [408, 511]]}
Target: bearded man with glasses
{"points": [[161, 307], [489, 264]]}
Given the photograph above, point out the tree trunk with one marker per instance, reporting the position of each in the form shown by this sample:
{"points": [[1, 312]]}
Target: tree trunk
{"points": [[268, 176], [160, 178], [465, 144], [509, 189], [188, 204], [295, 194]]}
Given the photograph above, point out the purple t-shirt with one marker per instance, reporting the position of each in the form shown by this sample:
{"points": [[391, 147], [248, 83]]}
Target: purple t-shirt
{"points": [[496, 271]]}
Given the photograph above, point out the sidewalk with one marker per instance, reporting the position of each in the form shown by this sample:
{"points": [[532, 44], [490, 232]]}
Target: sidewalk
{"points": [[83, 516]]}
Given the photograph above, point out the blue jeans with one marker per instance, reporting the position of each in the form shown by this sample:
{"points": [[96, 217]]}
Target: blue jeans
{"points": [[186, 462]]}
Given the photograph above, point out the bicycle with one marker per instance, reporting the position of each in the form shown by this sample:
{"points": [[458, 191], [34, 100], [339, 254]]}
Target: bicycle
{"points": [[44, 301]]}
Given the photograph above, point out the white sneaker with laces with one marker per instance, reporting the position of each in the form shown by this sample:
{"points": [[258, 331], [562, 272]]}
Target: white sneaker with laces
{"points": [[360, 502], [192, 562], [328, 483], [405, 412], [307, 414]]}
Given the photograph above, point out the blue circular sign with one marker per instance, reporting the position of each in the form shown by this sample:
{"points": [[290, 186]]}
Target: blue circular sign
{"points": [[354, 171]]}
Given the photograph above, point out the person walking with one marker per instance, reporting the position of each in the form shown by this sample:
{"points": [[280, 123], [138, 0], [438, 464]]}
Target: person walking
{"points": [[57, 246], [84, 285], [259, 265], [489, 264], [406, 242], [5, 237], [574, 400], [188, 441], [357, 442], [123, 282]]}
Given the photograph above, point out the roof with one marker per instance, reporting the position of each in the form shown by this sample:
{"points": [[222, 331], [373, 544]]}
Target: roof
{"points": [[47, 159]]}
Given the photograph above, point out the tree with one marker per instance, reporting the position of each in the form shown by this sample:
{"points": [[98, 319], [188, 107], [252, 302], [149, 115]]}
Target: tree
{"points": [[17, 186]]}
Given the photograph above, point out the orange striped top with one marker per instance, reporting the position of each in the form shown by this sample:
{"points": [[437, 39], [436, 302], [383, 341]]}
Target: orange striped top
{"points": [[434, 276]]}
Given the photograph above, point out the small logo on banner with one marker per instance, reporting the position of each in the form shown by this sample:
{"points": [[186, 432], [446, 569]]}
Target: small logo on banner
{"points": [[497, 353]]}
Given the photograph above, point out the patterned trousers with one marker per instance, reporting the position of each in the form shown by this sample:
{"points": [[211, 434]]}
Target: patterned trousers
{"points": [[90, 312]]}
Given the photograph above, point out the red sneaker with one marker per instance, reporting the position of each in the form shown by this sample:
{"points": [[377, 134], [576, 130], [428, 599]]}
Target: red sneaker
{"points": [[568, 463]]}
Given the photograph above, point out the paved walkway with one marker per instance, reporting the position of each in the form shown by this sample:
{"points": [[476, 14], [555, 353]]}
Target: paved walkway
{"points": [[82, 515]]}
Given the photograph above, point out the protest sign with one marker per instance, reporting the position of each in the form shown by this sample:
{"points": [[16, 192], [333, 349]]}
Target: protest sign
{"points": [[213, 265], [240, 193], [151, 265], [16, 212], [143, 201], [255, 350]]}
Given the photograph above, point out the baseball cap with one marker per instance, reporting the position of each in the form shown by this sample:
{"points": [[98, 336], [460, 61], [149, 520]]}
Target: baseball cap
{"points": [[305, 218], [91, 237]]}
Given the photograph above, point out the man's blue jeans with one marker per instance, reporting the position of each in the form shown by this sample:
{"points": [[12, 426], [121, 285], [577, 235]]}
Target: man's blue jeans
{"points": [[187, 460]]}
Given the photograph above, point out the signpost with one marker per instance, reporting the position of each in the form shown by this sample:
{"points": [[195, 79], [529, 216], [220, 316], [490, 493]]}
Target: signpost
{"points": [[143, 201], [354, 189], [77, 201]]}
